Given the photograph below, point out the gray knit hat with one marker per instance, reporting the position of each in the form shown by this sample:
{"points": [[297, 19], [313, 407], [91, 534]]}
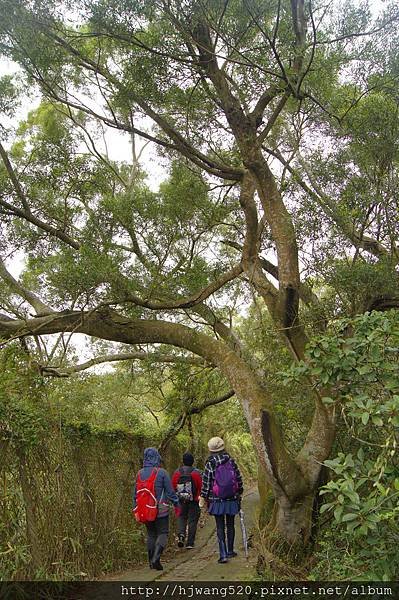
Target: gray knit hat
{"points": [[216, 444]]}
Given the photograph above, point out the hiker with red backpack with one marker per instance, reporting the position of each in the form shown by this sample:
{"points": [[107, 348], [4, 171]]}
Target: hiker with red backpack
{"points": [[187, 482], [153, 492], [222, 489]]}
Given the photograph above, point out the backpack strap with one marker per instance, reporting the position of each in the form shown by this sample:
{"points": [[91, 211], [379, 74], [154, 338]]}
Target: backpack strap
{"points": [[182, 470], [151, 478], [153, 475]]}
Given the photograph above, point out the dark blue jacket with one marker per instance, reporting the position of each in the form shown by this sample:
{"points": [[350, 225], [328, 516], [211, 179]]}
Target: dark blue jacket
{"points": [[164, 491]]}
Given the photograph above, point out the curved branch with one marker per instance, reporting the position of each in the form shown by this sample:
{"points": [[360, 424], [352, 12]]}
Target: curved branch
{"points": [[282, 303], [14, 179], [107, 358], [192, 300], [181, 420], [182, 144], [358, 34], [381, 303], [274, 116], [198, 409], [359, 240], [264, 100], [107, 324], [305, 292], [110, 325]]}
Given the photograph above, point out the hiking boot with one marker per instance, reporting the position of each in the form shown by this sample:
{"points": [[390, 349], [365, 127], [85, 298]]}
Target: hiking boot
{"points": [[222, 552], [150, 555], [232, 554], [156, 563], [180, 541]]}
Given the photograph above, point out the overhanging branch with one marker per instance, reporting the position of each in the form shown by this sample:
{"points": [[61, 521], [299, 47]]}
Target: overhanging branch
{"points": [[182, 419], [180, 142], [192, 300], [153, 357]]}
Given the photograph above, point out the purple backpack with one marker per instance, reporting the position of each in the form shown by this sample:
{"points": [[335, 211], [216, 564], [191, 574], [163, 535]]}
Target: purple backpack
{"points": [[225, 484]]}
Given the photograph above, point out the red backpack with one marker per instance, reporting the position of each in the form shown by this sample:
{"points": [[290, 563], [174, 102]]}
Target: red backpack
{"points": [[146, 509]]}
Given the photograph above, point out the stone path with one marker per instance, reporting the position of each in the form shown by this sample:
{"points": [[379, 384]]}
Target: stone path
{"points": [[201, 563]]}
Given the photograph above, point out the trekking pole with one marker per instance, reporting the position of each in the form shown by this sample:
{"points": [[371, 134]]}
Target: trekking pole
{"points": [[244, 532]]}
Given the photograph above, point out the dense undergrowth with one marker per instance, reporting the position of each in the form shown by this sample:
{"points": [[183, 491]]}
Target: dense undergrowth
{"points": [[359, 514]]}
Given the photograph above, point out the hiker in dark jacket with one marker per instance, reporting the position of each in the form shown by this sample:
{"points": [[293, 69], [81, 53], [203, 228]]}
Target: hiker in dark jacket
{"points": [[158, 530], [188, 494], [223, 509]]}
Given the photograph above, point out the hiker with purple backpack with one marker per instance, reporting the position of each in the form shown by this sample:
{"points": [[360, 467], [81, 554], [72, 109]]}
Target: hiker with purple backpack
{"points": [[222, 489]]}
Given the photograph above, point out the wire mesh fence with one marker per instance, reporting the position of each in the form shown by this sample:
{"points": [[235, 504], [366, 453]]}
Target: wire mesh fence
{"points": [[65, 503]]}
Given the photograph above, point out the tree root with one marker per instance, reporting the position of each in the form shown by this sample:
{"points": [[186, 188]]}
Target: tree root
{"points": [[270, 563], [280, 560]]}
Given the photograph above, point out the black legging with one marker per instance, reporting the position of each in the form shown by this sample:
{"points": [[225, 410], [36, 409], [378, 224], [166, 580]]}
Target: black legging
{"points": [[190, 513], [224, 522], [157, 534]]}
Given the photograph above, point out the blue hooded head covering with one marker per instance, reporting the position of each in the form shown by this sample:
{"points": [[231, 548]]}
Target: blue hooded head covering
{"points": [[152, 458]]}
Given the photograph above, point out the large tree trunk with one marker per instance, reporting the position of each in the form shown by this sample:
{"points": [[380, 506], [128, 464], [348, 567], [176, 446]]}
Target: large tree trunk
{"points": [[294, 481], [292, 521]]}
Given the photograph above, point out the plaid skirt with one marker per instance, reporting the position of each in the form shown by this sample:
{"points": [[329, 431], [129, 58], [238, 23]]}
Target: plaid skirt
{"points": [[224, 507]]}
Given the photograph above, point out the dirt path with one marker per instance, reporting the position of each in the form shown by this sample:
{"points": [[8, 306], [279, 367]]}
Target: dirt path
{"points": [[201, 563]]}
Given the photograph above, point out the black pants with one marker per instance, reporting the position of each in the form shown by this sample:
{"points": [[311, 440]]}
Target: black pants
{"points": [[157, 534], [188, 519], [224, 522]]}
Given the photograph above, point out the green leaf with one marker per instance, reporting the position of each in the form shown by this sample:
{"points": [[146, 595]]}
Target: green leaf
{"points": [[338, 513], [365, 418], [381, 488], [353, 496], [363, 530], [392, 384], [349, 517], [327, 400], [325, 507], [360, 454], [351, 526]]}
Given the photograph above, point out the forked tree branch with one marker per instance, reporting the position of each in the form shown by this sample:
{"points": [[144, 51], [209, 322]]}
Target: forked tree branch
{"points": [[26, 212], [181, 143], [305, 292], [15, 286]]}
